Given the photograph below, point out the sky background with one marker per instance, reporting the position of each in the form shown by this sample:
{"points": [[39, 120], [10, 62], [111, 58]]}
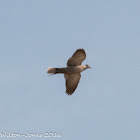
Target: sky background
{"points": [[37, 34]]}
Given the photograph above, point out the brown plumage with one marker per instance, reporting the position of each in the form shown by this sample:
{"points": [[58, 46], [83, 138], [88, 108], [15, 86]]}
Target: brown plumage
{"points": [[72, 81], [72, 72], [77, 58]]}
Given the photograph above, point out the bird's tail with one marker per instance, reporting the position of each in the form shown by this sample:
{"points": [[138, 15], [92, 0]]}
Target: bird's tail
{"points": [[55, 70]]}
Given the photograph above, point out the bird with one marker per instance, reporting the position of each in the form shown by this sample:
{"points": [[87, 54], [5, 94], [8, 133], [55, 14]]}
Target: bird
{"points": [[72, 73]]}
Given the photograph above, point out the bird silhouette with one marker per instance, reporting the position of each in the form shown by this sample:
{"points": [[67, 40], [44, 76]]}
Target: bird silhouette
{"points": [[72, 71]]}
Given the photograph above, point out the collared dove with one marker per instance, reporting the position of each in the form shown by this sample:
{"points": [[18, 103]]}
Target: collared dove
{"points": [[72, 71]]}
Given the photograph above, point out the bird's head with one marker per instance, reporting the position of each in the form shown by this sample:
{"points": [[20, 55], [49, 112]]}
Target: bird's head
{"points": [[87, 67]]}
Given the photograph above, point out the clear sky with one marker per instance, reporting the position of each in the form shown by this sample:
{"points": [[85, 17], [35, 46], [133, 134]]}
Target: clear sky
{"points": [[37, 34]]}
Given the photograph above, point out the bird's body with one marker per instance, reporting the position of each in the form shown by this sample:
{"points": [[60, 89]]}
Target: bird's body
{"points": [[72, 71], [67, 70]]}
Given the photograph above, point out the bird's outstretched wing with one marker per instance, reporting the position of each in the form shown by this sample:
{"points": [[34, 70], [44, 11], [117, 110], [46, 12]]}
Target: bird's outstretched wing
{"points": [[72, 81], [78, 57]]}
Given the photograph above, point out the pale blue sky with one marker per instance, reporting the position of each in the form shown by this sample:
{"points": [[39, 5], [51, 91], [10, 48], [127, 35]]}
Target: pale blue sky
{"points": [[37, 34]]}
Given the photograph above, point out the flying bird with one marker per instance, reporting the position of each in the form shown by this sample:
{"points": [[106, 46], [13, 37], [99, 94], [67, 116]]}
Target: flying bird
{"points": [[72, 71]]}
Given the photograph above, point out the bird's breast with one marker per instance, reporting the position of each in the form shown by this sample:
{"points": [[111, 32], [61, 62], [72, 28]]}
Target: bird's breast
{"points": [[74, 69]]}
